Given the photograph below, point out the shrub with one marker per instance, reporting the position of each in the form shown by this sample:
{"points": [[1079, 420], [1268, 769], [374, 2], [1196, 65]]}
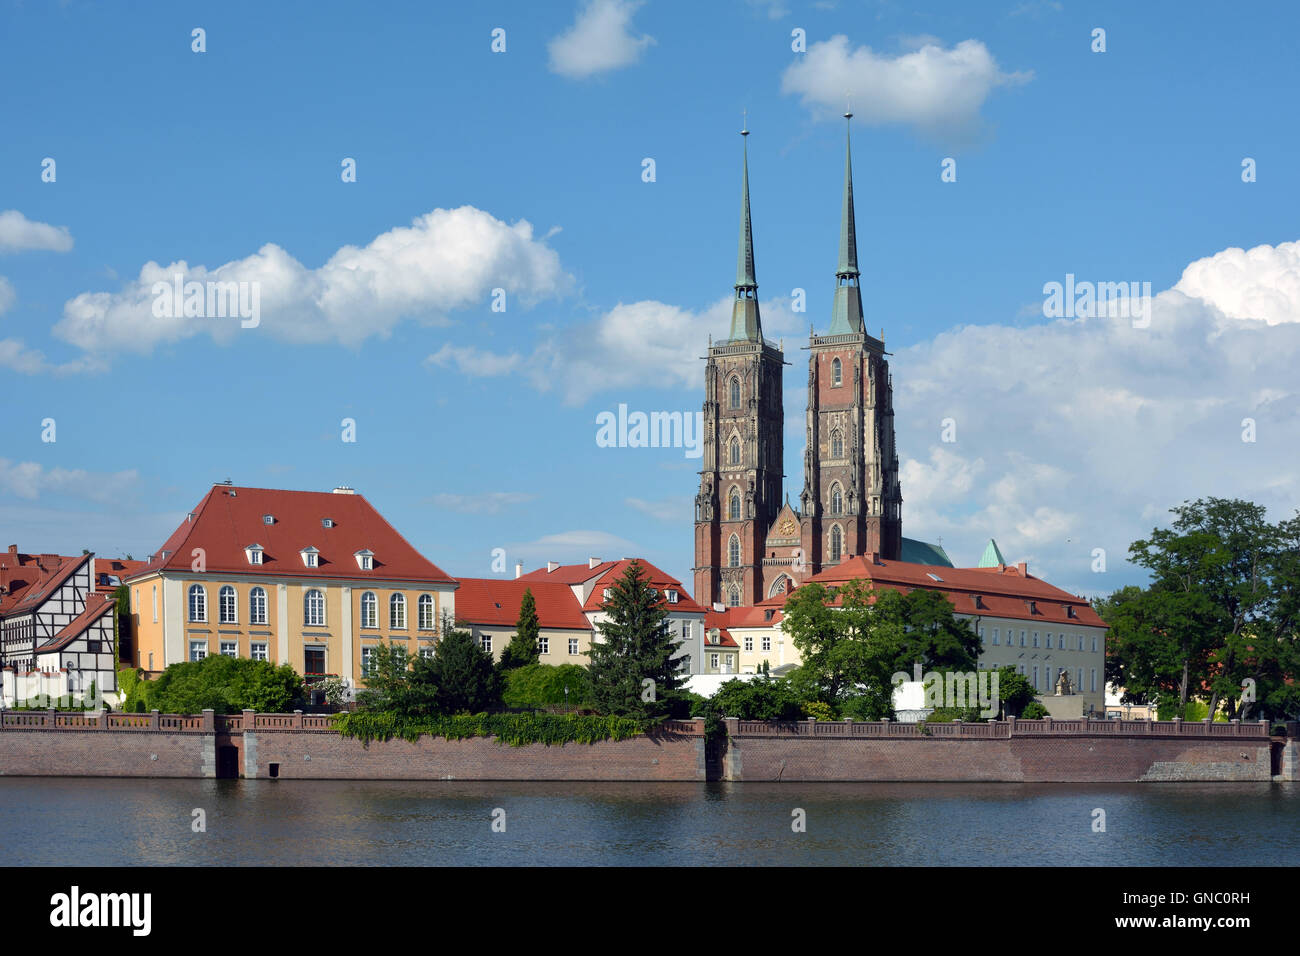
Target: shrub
{"points": [[226, 685], [1033, 711], [967, 715], [763, 698], [818, 710], [518, 730], [538, 686]]}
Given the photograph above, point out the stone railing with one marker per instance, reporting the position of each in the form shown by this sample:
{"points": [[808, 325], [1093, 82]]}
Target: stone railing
{"points": [[997, 728], [207, 722]]}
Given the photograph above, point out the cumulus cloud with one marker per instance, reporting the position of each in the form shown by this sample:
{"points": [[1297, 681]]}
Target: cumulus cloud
{"points": [[31, 480], [20, 234], [935, 90], [1262, 283], [1081, 434], [445, 260], [600, 39], [476, 363], [483, 503], [7, 295], [17, 357], [673, 510]]}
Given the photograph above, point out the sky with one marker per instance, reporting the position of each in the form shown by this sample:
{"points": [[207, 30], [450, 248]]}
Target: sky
{"points": [[377, 174]]}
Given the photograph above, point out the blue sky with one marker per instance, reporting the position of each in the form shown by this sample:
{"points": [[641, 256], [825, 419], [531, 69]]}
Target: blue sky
{"points": [[476, 429]]}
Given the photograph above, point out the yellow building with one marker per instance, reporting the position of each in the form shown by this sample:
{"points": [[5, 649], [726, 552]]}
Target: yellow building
{"points": [[311, 579]]}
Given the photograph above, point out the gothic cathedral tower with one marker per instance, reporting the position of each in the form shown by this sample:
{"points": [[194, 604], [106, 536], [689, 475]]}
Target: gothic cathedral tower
{"points": [[851, 502], [741, 473]]}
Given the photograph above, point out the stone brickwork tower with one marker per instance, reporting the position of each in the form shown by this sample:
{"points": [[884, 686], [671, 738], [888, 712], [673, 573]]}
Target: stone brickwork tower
{"points": [[851, 502], [741, 472]]}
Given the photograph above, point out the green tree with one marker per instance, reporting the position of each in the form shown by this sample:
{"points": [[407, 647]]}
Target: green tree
{"points": [[763, 698], [463, 673], [1014, 691], [636, 647], [226, 685], [397, 684], [523, 648]]}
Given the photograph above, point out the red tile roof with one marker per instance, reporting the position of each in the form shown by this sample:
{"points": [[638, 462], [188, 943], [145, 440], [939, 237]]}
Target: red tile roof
{"points": [[229, 519], [719, 620], [495, 602], [97, 605], [606, 573], [119, 568], [28, 579]]}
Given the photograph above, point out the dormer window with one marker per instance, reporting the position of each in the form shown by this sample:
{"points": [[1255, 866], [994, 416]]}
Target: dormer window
{"points": [[310, 557], [672, 596], [327, 522], [254, 553], [365, 560], [605, 594], [268, 519]]}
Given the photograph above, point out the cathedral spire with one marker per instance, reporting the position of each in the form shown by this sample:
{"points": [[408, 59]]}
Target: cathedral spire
{"points": [[846, 311], [745, 323]]}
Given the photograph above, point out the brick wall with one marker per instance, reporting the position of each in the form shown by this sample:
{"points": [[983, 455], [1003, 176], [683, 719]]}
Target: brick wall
{"points": [[89, 753]]}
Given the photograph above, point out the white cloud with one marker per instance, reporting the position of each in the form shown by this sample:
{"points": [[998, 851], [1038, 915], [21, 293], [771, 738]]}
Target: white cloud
{"points": [[20, 234], [445, 260], [934, 89], [600, 39], [7, 295], [1081, 434], [1263, 283], [570, 547], [483, 503], [673, 510], [17, 357], [474, 362], [31, 480]]}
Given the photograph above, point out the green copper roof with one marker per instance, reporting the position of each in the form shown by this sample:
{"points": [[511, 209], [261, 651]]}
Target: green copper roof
{"points": [[922, 552], [745, 322], [846, 308], [992, 557]]}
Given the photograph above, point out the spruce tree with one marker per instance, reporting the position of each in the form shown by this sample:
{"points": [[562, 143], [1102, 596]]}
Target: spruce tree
{"points": [[523, 647], [637, 647]]}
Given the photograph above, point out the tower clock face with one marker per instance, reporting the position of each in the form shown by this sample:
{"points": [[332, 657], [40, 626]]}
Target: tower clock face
{"points": [[788, 527]]}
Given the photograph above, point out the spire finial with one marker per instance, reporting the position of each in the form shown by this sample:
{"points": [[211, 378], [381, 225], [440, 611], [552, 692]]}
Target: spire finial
{"points": [[745, 322], [846, 311], [744, 122]]}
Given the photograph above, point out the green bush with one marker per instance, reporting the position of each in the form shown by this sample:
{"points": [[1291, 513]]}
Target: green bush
{"points": [[226, 685], [967, 715], [1033, 711], [539, 686], [518, 730], [763, 698], [818, 710]]}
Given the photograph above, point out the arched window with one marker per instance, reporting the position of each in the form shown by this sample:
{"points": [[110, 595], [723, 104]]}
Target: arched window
{"points": [[198, 604], [397, 611], [313, 608], [837, 372], [257, 606], [426, 612], [837, 542], [733, 505], [837, 500], [226, 604], [779, 586], [735, 451], [369, 610], [733, 597], [837, 444], [733, 552], [735, 393]]}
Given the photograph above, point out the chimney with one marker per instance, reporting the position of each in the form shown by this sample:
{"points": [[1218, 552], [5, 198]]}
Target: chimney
{"points": [[519, 569], [343, 490], [592, 562], [1023, 568], [13, 549], [551, 566], [873, 557]]}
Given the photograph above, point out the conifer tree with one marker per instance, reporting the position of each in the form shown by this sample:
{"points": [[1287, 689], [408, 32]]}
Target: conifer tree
{"points": [[523, 647], [637, 647]]}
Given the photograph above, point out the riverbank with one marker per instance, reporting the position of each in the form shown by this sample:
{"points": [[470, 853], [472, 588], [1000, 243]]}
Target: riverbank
{"points": [[304, 746]]}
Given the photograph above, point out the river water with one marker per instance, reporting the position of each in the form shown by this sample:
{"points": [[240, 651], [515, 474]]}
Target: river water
{"points": [[111, 822]]}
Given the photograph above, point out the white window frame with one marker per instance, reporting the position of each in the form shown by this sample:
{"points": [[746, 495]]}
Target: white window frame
{"points": [[573, 646], [767, 642], [543, 645], [425, 603], [397, 612], [258, 651], [202, 607], [227, 610], [231, 646], [749, 642], [369, 611], [485, 642], [198, 650], [257, 605], [308, 608]]}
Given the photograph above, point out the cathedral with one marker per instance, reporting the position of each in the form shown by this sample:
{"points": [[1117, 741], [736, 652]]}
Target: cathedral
{"points": [[750, 544]]}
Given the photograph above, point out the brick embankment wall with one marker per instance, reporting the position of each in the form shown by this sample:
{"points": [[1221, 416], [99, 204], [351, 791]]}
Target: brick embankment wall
{"points": [[327, 756], [89, 753]]}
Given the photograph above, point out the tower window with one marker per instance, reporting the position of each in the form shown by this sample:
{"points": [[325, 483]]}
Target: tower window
{"points": [[733, 597], [733, 552], [735, 393], [837, 543], [837, 500], [837, 443], [733, 505], [735, 451], [837, 373]]}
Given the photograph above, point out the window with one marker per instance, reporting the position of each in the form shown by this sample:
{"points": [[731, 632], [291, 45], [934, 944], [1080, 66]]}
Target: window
{"points": [[1022, 638], [368, 661], [327, 522], [93, 647], [837, 500], [604, 595], [1094, 638], [1049, 641], [735, 451], [686, 630], [544, 645], [155, 605], [733, 552], [226, 604], [229, 649], [257, 606], [426, 650], [1080, 636], [426, 612], [1020, 668], [198, 650], [257, 650], [1036, 687], [365, 560], [837, 372], [672, 596], [397, 612], [837, 444], [486, 642], [767, 642], [1093, 679], [1035, 638], [735, 393], [733, 505], [749, 642], [713, 661], [733, 597], [198, 605], [837, 543], [313, 658], [268, 519], [369, 610], [1078, 684], [313, 608], [310, 557], [573, 645], [995, 636], [254, 553]]}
